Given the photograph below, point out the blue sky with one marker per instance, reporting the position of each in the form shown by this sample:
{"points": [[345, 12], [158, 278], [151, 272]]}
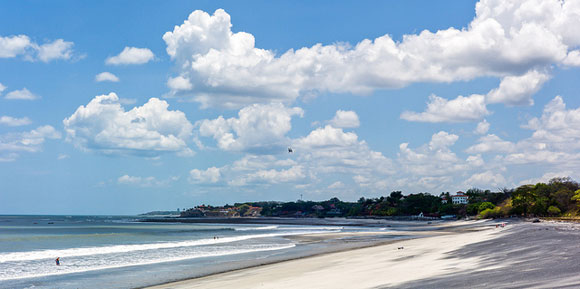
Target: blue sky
{"points": [[123, 107]]}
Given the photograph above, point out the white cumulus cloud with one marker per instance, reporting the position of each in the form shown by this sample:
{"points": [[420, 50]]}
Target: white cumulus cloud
{"points": [[11, 144], [258, 128], [573, 58], [62, 157], [482, 127], [518, 90], [336, 185], [327, 137], [179, 83], [345, 119], [491, 143], [106, 76], [460, 109], [433, 159], [142, 181], [330, 150], [268, 176], [512, 90], [23, 94], [546, 177], [210, 175], [131, 55], [324, 153], [558, 127], [13, 46], [103, 125], [554, 142], [272, 176], [58, 49], [442, 140], [487, 179], [14, 121], [252, 171], [506, 38]]}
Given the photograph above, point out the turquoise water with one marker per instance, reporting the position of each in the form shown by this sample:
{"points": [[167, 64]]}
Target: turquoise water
{"points": [[119, 252]]}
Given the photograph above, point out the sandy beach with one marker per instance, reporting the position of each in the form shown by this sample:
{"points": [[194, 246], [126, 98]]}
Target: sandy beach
{"points": [[459, 255]]}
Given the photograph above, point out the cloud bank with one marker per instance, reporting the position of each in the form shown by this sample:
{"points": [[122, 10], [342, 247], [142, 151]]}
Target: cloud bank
{"points": [[21, 45], [506, 39]]}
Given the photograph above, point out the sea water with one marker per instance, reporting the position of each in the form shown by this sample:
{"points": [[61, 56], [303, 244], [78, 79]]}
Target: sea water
{"points": [[121, 252]]}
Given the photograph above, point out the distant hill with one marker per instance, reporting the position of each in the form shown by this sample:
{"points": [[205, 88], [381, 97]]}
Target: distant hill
{"points": [[161, 213]]}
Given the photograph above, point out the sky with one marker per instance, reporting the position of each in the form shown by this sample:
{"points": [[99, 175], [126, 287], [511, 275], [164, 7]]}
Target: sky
{"points": [[124, 107]]}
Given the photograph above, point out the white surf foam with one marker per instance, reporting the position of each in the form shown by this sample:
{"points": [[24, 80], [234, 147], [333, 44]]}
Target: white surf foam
{"points": [[42, 270], [257, 228], [88, 251]]}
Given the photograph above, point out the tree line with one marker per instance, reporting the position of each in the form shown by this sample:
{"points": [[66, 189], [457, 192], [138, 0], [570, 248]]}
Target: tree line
{"points": [[558, 197]]}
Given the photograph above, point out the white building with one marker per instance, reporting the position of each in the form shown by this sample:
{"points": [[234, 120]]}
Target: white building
{"points": [[459, 198]]}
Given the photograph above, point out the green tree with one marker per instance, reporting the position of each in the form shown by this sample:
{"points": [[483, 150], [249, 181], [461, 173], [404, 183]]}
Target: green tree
{"points": [[475, 195], [449, 209], [576, 197], [491, 213], [523, 198], [472, 209], [485, 205], [540, 206], [355, 210], [543, 190], [563, 198], [395, 198], [554, 211], [334, 200], [423, 202], [243, 209]]}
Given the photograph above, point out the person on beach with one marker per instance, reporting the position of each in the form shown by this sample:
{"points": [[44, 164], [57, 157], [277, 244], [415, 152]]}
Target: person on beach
{"points": [[57, 261]]}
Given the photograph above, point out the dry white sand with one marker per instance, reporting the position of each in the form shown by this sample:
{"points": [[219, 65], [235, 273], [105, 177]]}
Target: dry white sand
{"points": [[372, 267]]}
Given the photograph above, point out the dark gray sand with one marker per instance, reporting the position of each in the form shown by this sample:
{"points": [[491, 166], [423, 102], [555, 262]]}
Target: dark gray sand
{"points": [[529, 255]]}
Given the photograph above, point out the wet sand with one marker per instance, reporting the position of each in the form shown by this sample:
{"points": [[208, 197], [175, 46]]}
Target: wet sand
{"points": [[456, 255]]}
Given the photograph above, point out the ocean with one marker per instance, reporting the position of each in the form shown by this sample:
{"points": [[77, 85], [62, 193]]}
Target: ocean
{"points": [[121, 252]]}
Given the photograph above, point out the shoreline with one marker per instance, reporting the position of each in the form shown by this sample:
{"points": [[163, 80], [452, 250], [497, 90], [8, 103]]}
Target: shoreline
{"points": [[442, 229], [521, 255], [267, 263], [338, 221]]}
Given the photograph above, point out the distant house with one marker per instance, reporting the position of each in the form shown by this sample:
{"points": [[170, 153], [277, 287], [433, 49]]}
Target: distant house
{"points": [[459, 198], [334, 212], [298, 214], [443, 200], [213, 214], [233, 213], [253, 212], [318, 208]]}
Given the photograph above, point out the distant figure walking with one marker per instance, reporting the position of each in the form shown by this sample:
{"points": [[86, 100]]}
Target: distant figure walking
{"points": [[57, 261]]}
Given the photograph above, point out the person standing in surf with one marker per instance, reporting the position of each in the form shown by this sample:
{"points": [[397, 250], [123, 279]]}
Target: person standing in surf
{"points": [[57, 261]]}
